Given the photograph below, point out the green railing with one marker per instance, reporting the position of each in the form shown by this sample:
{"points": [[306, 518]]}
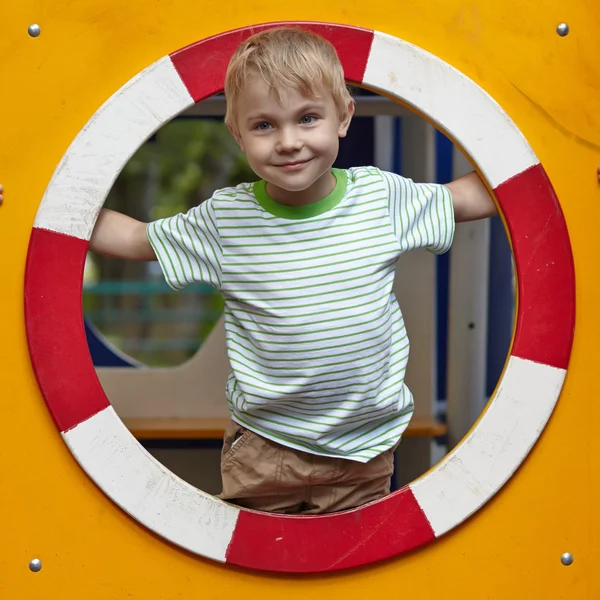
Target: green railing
{"points": [[145, 319]]}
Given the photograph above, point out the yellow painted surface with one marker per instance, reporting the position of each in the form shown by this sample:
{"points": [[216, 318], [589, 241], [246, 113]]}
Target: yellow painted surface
{"points": [[90, 549]]}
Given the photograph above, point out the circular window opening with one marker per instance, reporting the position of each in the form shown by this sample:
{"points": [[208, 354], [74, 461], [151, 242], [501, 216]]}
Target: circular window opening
{"points": [[460, 326], [429, 506]]}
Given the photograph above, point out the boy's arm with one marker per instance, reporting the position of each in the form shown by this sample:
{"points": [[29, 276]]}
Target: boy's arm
{"points": [[471, 199], [118, 235]]}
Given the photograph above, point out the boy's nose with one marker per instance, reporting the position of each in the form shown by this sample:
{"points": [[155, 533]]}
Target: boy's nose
{"points": [[288, 141]]}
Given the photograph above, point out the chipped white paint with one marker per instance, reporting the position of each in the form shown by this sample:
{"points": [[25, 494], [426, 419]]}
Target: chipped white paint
{"points": [[476, 469], [96, 156], [453, 101], [147, 490]]}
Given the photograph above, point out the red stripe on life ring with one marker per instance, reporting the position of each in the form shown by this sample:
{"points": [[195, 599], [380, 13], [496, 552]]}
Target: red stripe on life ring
{"points": [[307, 544], [545, 269], [55, 332], [202, 65]]}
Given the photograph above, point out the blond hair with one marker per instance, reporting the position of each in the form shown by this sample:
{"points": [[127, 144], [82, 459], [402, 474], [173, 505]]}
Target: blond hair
{"points": [[286, 57]]}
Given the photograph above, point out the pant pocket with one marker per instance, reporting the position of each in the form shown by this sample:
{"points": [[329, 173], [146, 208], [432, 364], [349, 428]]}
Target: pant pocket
{"points": [[234, 438]]}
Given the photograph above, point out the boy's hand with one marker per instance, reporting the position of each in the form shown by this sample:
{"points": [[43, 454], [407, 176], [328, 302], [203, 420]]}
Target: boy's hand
{"points": [[471, 199], [117, 235]]}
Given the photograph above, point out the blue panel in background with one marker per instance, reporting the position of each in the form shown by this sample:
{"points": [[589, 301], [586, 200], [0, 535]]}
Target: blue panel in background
{"points": [[397, 157], [443, 174], [103, 355], [501, 303], [358, 147]]}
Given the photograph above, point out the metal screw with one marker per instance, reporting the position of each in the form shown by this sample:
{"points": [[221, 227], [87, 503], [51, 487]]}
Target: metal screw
{"points": [[35, 565], [567, 559], [34, 30], [562, 29]]}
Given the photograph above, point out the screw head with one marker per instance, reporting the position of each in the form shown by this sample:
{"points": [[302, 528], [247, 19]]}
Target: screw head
{"points": [[35, 565], [562, 29], [34, 30], [567, 559]]}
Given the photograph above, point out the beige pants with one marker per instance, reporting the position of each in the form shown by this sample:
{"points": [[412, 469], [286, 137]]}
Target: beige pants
{"points": [[263, 475]]}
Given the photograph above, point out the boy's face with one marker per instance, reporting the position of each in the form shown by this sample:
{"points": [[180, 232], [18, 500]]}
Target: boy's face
{"points": [[293, 144]]}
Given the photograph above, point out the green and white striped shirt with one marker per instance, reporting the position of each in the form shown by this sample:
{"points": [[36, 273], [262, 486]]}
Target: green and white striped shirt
{"points": [[315, 336]]}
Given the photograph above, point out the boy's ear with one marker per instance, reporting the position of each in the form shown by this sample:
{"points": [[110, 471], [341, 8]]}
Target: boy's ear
{"points": [[236, 134], [345, 119]]}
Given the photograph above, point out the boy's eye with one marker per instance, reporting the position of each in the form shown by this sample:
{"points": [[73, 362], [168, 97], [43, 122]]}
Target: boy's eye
{"points": [[264, 126], [308, 119]]}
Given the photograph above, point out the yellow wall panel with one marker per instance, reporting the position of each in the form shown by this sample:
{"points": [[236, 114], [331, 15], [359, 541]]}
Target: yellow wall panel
{"points": [[51, 85]]}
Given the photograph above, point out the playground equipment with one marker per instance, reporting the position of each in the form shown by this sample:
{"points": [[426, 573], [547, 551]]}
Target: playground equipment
{"points": [[485, 522]]}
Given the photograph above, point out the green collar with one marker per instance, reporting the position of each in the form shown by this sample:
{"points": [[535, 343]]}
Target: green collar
{"points": [[309, 210]]}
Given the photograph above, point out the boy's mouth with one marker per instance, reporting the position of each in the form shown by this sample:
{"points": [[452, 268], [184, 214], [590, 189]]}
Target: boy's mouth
{"points": [[293, 165]]}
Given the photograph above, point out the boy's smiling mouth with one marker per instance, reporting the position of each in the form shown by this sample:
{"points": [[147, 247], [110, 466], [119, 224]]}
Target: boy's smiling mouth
{"points": [[293, 165]]}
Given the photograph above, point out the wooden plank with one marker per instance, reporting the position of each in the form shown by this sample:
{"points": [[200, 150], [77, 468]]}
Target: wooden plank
{"points": [[212, 429]]}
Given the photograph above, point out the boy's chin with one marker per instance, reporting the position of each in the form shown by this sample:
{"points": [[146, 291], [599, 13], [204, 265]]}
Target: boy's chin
{"points": [[299, 182], [291, 189]]}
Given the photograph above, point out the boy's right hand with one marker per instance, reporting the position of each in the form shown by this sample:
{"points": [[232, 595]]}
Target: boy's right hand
{"points": [[117, 235]]}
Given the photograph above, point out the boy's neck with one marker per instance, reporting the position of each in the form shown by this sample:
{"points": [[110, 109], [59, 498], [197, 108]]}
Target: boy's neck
{"points": [[317, 191]]}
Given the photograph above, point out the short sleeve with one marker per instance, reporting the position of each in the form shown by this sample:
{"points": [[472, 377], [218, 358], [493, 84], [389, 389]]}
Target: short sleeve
{"points": [[188, 247], [422, 214]]}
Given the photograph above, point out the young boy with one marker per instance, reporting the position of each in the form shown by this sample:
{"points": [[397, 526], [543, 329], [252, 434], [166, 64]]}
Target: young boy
{"points": [[305, 261]]}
